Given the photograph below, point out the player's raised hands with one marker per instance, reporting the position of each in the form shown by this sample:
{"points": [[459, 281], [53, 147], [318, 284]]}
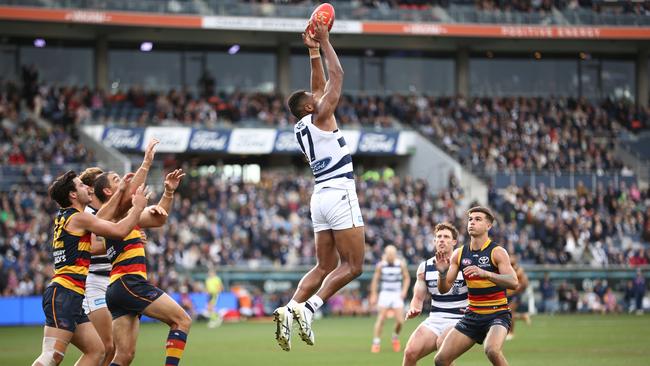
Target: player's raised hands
{"points": [[150, 151], [124, 182], [308, 40], [172, 180], [321, 33], [442, 261], [141, 197]]}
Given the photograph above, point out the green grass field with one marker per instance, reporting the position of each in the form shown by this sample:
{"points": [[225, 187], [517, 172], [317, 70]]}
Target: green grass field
{"points": [[560, 340]]}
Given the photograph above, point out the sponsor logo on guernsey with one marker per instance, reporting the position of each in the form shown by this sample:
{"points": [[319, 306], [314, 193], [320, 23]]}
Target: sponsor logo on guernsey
{"points": [[321, 164], [483, 261]]}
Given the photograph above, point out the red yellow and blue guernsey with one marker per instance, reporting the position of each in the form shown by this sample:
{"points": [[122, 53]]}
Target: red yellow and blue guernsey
{"points": [[127, 255], [484, 296], [71, 252]]}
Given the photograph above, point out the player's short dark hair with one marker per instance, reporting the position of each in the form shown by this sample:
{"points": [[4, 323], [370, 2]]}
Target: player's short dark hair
{"points": [[296, 103], [60, 189], [483, 210], [447, 226], [89, 175], [102, 182]]}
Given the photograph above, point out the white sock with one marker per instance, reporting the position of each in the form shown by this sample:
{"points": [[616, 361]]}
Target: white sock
{"points": [[395, 336], [292, 304], [376, 340], [314, 303]]}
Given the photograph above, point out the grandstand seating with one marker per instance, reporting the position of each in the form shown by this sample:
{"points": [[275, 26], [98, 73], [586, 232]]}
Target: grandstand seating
{"points": [[267, 223]]}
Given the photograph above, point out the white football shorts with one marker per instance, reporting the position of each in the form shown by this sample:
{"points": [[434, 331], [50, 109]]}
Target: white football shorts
{"points": [[335, 209], [438, 324], [390, 300], [95, 293]]}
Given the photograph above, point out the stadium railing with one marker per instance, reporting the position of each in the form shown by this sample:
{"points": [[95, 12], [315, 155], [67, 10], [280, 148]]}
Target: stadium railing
{"points": [[27, 310], [561, 180], [350, 11]]}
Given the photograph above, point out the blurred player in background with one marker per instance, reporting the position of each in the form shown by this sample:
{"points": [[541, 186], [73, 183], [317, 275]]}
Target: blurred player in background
{"points": [[446, 309], [213, 286], [514, 297], [392, 277], [335, 212]]}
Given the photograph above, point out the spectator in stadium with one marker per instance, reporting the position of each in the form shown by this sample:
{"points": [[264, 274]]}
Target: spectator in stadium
{"points": [[610, 302], [186, 301], [628, 296], [549, 300], [568, 297], [639, 291]]}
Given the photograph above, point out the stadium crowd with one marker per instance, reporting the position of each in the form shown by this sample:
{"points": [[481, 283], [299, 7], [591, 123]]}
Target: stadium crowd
{"points": [[217, 221], [485, 134], [524, 6], [225, 222]]}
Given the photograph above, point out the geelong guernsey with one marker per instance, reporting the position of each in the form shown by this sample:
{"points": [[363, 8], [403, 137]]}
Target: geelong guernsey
{"points": [[449, 305], [99, 264], [391, 276], [327, 153]]}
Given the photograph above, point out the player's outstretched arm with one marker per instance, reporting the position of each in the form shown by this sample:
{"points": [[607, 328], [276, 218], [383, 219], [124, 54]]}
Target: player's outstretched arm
{"points": [[419, 293], [88, 222], [374, 284], [317, 71], [140, 176], [97, 245], [156, 216], [506, 276], [406, 280], [330, 99], [447, 270]]}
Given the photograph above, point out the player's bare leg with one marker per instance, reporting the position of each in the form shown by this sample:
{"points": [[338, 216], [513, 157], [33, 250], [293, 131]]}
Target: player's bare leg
{"points": [[454, 345], [125, 330], [55, 343], [103, 323], [350, 245], [379, 326], [399, 321], [87, 340], [420, 344], [171, 313], [326, 260], [493, 345]]}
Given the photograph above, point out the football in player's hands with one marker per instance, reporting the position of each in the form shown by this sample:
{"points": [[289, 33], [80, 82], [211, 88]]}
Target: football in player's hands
{"points": [[323, 14]]}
